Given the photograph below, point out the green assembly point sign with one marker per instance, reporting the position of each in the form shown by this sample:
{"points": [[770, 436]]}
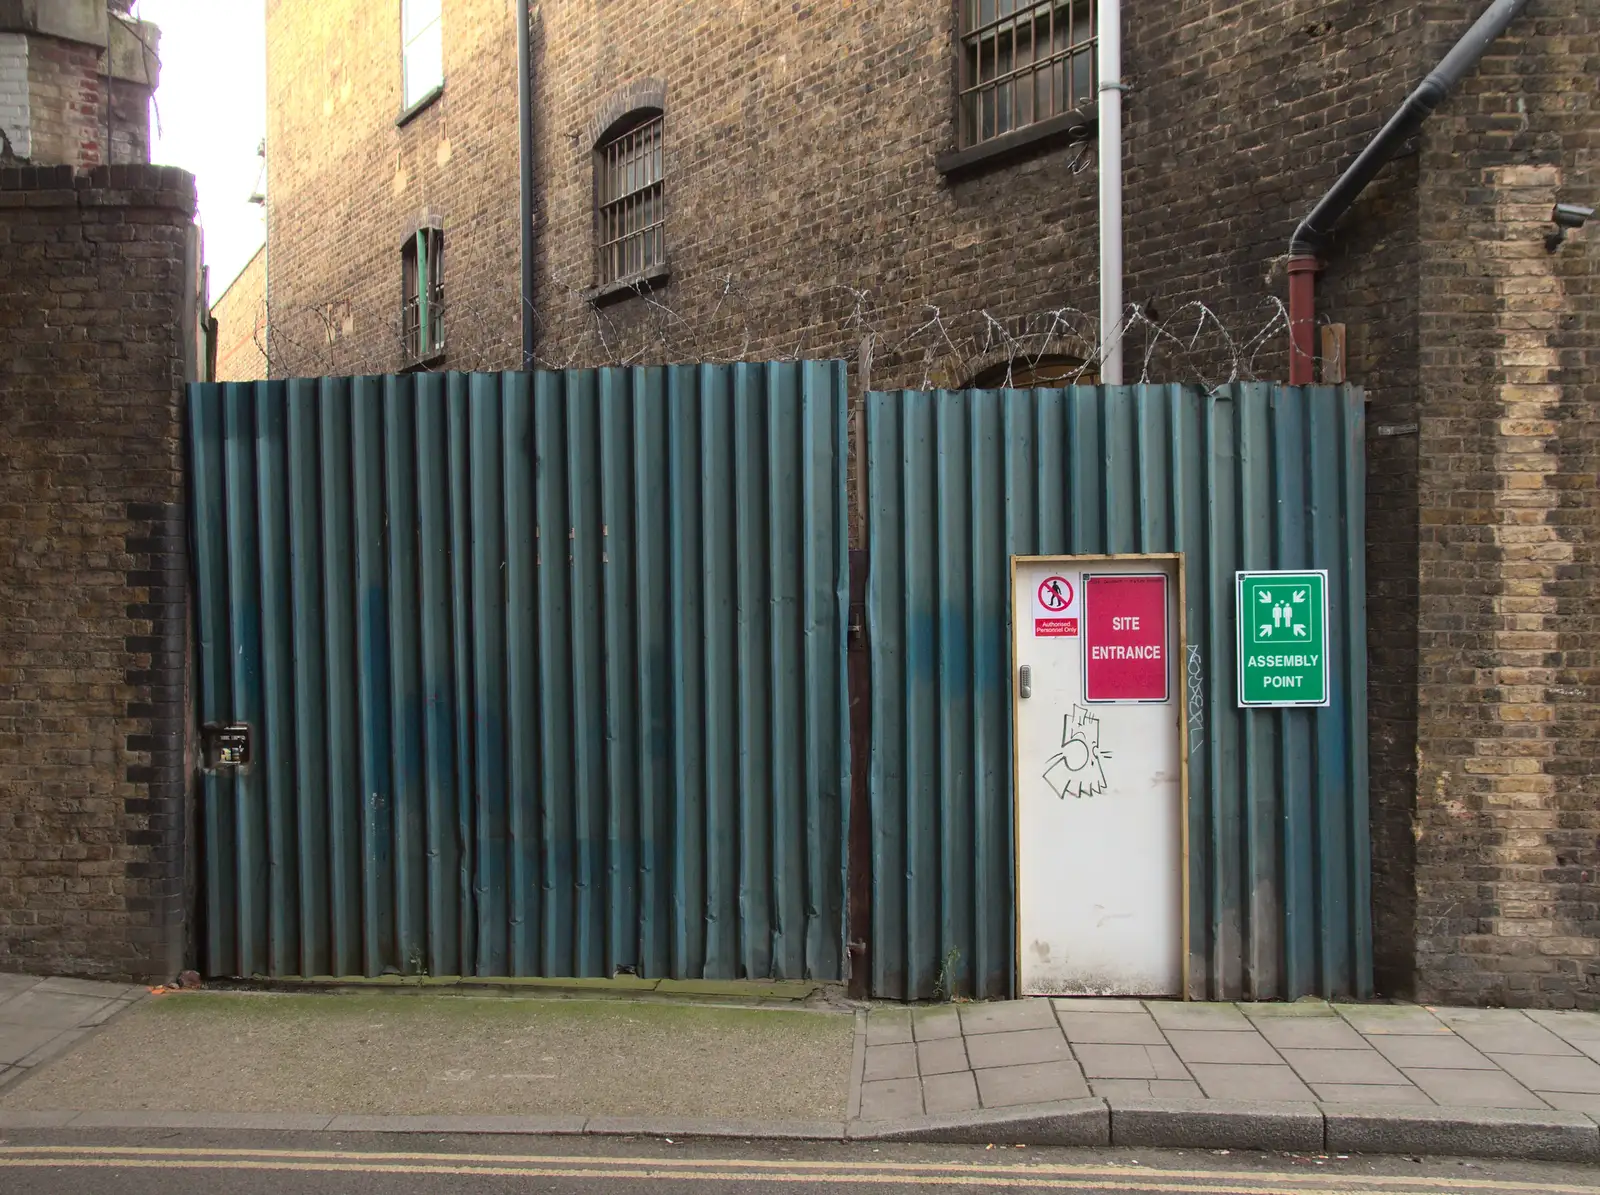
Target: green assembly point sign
{"points": [[1283, 638]]}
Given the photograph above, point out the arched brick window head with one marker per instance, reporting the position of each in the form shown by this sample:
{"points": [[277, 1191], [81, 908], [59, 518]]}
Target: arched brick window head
{"points": [[630, 220], [629, 183]]}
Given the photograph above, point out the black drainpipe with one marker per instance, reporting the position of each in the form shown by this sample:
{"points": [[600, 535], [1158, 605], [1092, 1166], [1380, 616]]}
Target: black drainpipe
{"points": [[1313, 233], [525, 146]]}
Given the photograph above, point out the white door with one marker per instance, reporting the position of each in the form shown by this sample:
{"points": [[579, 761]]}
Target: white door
{"points": [[1097, 700]]}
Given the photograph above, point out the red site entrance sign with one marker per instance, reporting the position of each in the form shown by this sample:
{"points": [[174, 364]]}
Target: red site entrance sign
{"points": [[1055, 609], [1126, 640]]}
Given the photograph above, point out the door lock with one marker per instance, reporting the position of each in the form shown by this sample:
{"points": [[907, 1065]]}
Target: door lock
{"points": [[1025, 681]]}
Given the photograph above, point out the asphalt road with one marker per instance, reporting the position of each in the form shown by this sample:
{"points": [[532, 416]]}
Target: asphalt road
{"points": [[59, 1162]]}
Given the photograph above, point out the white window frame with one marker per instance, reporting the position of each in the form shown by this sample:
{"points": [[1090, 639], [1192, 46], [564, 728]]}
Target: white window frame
{"points": [[422, 49]]}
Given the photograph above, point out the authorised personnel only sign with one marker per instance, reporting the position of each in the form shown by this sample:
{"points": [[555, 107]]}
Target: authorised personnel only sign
{"points": [[1283, 638]]}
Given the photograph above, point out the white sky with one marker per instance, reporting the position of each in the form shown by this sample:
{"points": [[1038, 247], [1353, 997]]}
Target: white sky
{"points": [[211, 109]]}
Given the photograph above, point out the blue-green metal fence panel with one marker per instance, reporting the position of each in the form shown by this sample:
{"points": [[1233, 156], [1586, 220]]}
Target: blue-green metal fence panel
{"points": [[546, 672], [1249, 477]]}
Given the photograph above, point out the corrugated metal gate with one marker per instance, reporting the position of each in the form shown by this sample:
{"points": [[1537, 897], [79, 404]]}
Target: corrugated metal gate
{"points": [[546, 672], [1253, 476]]}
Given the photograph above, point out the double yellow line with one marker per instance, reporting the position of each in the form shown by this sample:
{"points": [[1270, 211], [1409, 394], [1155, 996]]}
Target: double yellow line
{"points": [[1025, 1176]]}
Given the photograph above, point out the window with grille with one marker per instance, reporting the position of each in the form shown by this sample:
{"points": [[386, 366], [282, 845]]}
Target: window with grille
{"points": [[422, 297], [629, 233], [1023, 62], [422, 36]]}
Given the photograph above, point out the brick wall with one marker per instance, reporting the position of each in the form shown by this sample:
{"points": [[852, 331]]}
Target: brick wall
{"points": [[241, 315], [346, 186], [93, 278], [1509, 682]]}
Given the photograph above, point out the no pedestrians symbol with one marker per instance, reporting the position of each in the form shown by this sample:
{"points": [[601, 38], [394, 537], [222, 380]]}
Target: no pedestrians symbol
{"points": [[1055, 594], [1055, 609]]}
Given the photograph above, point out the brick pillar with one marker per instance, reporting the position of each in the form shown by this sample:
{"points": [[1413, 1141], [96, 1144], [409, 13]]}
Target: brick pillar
{"points": [[92, 570], [1508, 783]]}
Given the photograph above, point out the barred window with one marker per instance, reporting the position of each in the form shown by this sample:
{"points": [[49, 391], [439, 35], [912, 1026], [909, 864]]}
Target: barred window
{"points": [[630, 237], [1023, 62], [422, 295]]}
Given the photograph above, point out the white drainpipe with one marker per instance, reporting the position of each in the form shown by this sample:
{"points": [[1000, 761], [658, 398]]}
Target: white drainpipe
{"points": [[1109, 38]]}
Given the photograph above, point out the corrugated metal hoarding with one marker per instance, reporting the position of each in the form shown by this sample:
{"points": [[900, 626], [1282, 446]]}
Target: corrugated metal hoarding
{"points": [[545, 672], [1248, 477]]}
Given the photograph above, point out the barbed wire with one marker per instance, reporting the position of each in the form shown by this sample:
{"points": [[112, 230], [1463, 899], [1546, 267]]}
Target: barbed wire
{"points": [[722, 319]]}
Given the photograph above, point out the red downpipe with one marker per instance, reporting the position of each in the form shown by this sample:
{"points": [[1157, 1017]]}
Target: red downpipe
{"points": [[1302, 319]]}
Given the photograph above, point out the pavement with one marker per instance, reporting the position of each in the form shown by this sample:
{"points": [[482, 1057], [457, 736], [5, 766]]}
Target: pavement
{"points": [[231, 1163], [1310, 1077], [41, 1018]]}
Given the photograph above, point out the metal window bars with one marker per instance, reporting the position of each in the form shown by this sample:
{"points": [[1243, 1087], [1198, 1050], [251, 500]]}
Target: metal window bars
{"points": [[422, 298], [630, 234], [1022, 63]]}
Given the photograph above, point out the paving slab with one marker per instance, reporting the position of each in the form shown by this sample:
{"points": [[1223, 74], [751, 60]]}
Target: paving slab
{"points": [[1299, 1009], [1572, 1101], [47, 1009], [1522, 1037], [1406, 1019], [1479, 1016], [890, 1062], [1146, 1089], [1217, 1124], [1130, 1062], [93, 989], [1343, 1066], [1097, 1004], [18, 1041], [942, 1056], [891, 1099], [1567, 1024], [1487, 1133], [1542, 1072], [1370, 1093], [1063, 1122], [1006, 1016], [930, 1024], [954, 1092], [1446, 1052], [11, 985], [1250, 1083], [888, 1027], [1198, 1016], [987, 1050], [1194, 1045], [1112, 1028], [58, 1044], [1309, 1033], [1473, 1089], [1035, 1083]]}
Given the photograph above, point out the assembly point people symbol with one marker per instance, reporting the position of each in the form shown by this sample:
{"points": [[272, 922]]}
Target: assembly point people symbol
{"points": [[1283, 613]]}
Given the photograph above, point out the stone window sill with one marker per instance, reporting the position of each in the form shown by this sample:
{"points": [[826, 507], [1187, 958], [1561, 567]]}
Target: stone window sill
{"points": [[1068, 128], [416, 109], [429, 364], [632, 284]]}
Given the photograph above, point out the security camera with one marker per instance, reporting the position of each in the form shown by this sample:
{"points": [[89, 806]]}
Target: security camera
{"points": [[1565, 216], [1571, 215]]}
